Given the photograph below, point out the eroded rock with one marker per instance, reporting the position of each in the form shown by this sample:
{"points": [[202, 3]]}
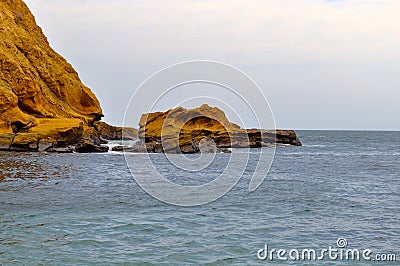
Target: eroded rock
{"points": [[183, 130], [109, 132]]}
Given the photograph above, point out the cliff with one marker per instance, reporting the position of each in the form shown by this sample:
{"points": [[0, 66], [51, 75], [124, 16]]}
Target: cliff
{"points": [[42, 98]]}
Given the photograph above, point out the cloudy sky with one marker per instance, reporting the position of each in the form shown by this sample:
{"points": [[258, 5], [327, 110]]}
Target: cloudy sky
{"points": [[321, 64]]}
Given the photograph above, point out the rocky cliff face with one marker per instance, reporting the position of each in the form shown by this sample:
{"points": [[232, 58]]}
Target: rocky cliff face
{"points": [[182, 130], [42, 99], [35, 82]]}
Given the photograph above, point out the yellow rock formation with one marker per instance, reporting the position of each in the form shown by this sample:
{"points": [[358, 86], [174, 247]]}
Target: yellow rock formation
{"points": [[36, 83], [183, 129], [181, 119]]}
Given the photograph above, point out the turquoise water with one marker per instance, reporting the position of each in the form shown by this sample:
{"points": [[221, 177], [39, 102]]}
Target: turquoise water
{"points": [[87, 210]]}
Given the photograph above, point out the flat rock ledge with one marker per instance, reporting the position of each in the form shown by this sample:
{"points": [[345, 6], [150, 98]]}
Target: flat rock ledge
{"points": [[252, 138], [64, 135]]}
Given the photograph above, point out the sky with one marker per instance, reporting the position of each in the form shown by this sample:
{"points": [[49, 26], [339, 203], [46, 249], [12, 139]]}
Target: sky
{"points": [[321, 64]]}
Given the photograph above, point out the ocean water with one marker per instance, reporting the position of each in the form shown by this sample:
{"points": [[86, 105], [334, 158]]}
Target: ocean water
{"points": [[86, 209]]}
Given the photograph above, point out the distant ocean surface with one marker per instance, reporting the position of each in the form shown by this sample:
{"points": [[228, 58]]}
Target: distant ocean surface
{"points": [[86, 209]]}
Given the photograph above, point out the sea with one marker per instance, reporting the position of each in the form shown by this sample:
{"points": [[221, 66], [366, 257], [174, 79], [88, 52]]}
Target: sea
{"points": [[338, 194]]}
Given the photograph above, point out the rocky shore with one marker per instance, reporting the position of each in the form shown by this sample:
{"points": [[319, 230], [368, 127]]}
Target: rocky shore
{"points": [[64, 136], [43, 104]]}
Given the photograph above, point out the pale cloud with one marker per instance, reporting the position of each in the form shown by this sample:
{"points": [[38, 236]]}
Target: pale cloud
{"points": [[333, 29]]}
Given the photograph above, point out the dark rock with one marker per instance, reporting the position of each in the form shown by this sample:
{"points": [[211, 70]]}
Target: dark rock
{"points": [[287, 137], [5, 141], [133, 149], [87, 147], [207, 145], [60, 150], [44, 146], [24, 142], [118, 148], [223, 150]]}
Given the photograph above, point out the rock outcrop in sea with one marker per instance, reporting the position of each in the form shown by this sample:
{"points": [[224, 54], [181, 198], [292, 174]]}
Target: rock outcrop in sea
{"points": [[43, 104], [202, 129], [108, 132]]}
